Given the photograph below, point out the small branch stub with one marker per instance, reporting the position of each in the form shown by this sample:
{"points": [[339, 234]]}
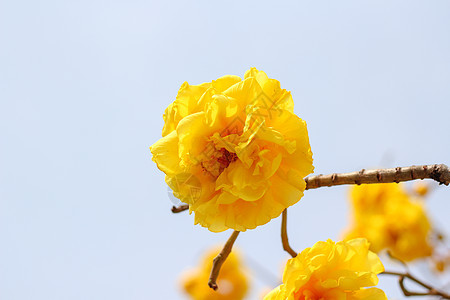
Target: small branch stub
{"points": [[177, 209]]}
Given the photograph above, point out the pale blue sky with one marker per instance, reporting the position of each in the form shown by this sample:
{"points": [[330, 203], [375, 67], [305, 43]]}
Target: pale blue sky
{"points": [[84, 212]]}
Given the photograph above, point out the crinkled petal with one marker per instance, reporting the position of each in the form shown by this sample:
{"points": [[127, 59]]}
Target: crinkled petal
{"points": [[239, 181], [369, 294], [165, 154], [185, 104], [223, 83]]}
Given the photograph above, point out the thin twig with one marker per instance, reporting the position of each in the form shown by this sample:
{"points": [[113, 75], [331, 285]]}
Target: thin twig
{"points": [[284, 236], [440, 173], [220, 259], [431, 290], [177, 209]]}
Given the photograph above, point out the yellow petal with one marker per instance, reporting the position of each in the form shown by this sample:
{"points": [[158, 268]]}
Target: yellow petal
{"points": [[369, 294], [245, 92], [223, 83], [165, 154], [238, 180], [275, 294], [185, 104]]}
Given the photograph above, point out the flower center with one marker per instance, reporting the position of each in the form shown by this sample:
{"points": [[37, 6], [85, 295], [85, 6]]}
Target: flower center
{"points": [[219, 161], [227, 158]]}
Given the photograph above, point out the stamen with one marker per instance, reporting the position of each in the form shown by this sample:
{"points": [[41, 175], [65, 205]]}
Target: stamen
{"points": [[218, 162], [226, 159]]}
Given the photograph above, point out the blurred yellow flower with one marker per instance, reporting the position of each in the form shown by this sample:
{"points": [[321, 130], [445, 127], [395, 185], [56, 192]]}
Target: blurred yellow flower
{"points": [[233, 283], [234, 151], [390, 219], [421, 188], [331, 270]]}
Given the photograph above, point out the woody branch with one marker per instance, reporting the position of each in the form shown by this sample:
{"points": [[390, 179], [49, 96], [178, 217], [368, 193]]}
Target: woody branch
{"points": [[438, 172]]}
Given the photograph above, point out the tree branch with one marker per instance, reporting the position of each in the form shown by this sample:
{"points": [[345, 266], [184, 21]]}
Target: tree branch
{"points": [[220, 259], [431, 291], [284, 236], [440, 173]]}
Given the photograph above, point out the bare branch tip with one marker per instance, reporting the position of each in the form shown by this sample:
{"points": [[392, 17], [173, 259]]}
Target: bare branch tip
{"points": [[213, 285], [220, 259], [178, 209]]}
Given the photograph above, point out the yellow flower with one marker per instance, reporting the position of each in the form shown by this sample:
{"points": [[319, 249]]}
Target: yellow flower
{"points": [[232, 282], [331, 270], [389, 218], [234, 151]]}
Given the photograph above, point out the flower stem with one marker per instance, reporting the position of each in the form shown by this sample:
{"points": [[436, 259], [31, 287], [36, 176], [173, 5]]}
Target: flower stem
{"points": [[220, 259], [284, 236]]}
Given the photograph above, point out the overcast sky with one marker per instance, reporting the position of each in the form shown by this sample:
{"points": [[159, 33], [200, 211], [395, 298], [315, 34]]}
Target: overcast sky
{"points": [[85, 213]]}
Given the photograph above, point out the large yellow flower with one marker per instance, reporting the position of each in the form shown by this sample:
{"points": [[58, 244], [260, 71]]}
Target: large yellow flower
{"points": [[390, 219], [232, 281], [333, 271], [234, 151]]}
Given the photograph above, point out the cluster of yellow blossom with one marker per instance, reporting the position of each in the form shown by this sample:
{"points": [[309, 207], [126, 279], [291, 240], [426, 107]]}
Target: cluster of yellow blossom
{"points": [[232, 281], [234, 151], [390, 219], [328, 270]]}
